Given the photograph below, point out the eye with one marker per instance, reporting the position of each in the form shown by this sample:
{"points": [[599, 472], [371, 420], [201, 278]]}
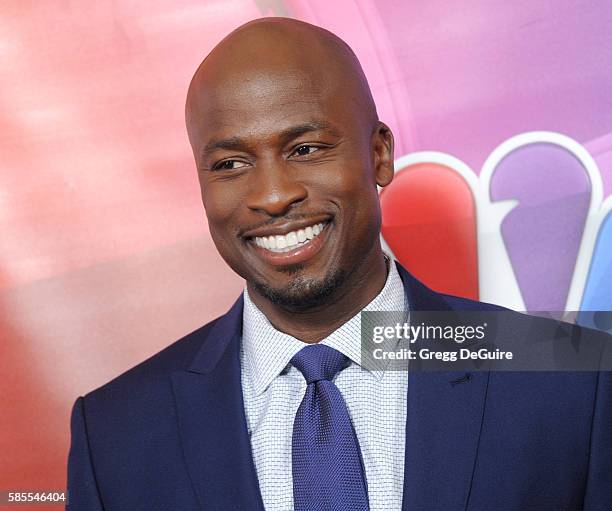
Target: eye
{"points": [[305, 150], [229, 165]]}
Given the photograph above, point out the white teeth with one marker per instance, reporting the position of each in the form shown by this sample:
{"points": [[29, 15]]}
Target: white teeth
{"points": [[291, 240]]}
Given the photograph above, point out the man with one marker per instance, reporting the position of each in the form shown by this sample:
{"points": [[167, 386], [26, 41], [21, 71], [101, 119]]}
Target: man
{"points": [[268, 407]]}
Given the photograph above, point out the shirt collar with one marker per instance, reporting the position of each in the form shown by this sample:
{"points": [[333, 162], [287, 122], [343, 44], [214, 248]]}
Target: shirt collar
{"points": [[267, 351]]}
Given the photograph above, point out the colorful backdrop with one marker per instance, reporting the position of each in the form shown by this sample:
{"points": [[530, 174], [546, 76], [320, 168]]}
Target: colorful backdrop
{"points": [[502, 114]]}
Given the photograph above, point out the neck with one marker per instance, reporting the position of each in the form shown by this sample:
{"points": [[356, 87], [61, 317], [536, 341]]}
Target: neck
{"points": [[315, 324]]}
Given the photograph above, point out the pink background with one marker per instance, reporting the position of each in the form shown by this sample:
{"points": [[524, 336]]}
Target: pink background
{"points": [[105, 257]]}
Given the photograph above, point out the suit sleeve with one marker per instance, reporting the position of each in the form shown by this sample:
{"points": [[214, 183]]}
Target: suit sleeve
{"points": [[598, 495], [83, 494]]}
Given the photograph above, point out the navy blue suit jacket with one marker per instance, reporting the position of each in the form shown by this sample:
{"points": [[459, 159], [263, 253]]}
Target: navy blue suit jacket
{"points": [[170, 434]]}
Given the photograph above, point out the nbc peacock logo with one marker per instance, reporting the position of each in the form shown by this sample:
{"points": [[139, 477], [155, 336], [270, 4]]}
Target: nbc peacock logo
{"points": [[532, 231]]}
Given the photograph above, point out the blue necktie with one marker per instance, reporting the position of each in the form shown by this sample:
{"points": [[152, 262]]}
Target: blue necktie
{"points": [[328, 471]]}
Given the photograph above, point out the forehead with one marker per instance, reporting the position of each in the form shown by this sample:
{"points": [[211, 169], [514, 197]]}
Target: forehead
{"points": [[264, 101]]}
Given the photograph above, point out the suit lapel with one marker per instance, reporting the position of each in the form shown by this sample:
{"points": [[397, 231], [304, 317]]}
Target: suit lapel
{"points": [[444, 418], [212, 422]]}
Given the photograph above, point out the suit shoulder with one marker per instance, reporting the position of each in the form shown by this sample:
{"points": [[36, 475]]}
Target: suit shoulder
{"points": [[466, 304]]}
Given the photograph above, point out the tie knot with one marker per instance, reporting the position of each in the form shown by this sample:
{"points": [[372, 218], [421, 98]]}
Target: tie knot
{"points": [[319, 362]]}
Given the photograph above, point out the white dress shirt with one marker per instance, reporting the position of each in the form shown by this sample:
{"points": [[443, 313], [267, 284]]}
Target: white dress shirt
{"points": [[273, 390]]}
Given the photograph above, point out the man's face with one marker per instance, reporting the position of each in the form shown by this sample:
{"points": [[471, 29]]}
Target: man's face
{"points": [[288, 169]]}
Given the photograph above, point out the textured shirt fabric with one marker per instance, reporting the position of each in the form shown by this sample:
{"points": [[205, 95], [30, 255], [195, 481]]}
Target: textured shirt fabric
{"points": [[273, 390]]}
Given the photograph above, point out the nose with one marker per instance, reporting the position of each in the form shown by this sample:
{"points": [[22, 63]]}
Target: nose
{"points": [[274, 189]]}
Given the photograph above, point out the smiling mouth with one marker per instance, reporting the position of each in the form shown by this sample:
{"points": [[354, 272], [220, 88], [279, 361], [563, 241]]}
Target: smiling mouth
{"points": [[295, 247], [290, 241]]}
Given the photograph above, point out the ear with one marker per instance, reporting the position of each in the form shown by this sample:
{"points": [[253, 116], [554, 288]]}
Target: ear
{"points": [[382, 147]]}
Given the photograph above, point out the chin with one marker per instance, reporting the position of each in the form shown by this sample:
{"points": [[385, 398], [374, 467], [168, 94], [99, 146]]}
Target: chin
{"points": [[303, 292]]}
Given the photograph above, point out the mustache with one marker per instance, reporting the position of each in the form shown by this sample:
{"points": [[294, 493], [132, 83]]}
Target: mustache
{"points": [[272, 222]]}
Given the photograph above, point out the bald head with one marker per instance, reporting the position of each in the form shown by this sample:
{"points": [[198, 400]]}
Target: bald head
{"points": [[281, 51], [290, 153]]}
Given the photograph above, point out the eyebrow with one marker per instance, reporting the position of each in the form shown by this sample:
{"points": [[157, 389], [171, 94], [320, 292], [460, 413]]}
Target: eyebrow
{"points": [[238, 143]]}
